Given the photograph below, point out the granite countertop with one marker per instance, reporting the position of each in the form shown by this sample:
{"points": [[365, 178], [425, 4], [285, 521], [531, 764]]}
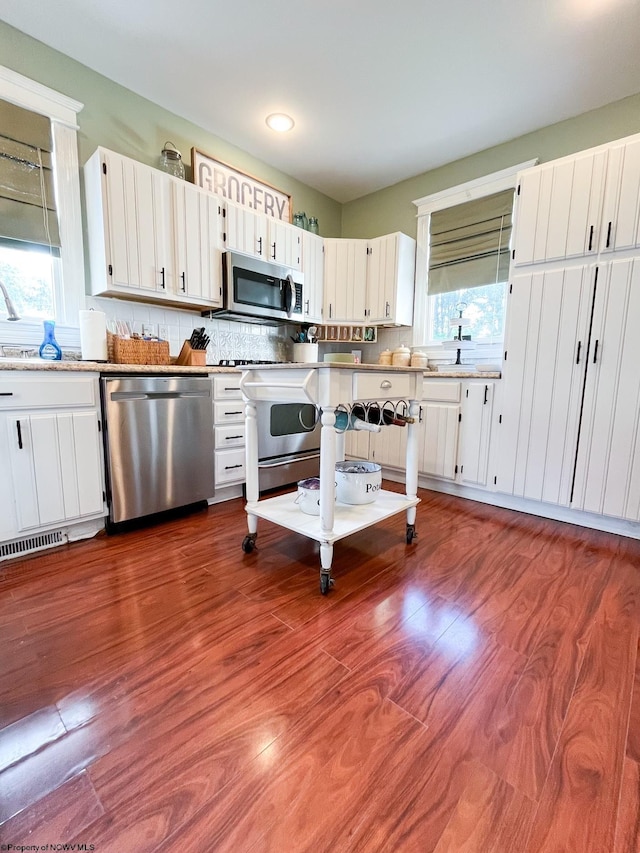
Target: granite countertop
{"points": [[384, 368], [101, 367]]}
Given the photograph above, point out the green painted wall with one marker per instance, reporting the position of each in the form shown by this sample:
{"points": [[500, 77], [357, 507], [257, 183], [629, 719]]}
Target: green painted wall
{"points": [[391, 209], [116, 118]]}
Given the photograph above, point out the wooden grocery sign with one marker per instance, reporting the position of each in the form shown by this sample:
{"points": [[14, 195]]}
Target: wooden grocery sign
{"points": [[224, 180]]}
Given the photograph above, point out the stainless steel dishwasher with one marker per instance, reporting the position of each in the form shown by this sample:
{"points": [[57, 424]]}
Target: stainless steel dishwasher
{"points": [[159, 445]]}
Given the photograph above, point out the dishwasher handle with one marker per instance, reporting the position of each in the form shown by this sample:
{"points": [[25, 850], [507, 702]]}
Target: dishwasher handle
{"points": [[122, 396]]}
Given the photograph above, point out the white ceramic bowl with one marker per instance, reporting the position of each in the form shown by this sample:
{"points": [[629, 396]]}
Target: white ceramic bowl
{"points": [[358, 482], [308, 497]]}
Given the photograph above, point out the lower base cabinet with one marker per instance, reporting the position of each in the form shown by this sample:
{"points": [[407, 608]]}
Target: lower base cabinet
{"points": [[228, 417], [52, 462], [455, 429]]}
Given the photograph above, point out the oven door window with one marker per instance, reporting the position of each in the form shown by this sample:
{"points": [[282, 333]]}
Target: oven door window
{"points": [[252, 288], [292, 418]]}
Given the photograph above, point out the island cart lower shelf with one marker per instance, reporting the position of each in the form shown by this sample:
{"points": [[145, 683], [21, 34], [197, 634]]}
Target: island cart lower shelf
{"points": [[329, 387], [348, 518]]}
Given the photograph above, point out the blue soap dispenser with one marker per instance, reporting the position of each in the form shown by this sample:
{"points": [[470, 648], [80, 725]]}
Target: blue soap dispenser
{"points": [[49, 348]]}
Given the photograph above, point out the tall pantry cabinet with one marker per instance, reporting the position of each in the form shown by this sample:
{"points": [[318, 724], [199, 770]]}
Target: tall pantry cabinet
{"points": [[569, 425]]}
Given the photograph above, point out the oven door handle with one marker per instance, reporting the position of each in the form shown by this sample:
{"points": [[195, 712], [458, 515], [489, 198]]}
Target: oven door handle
{"points": [[283, 462]]}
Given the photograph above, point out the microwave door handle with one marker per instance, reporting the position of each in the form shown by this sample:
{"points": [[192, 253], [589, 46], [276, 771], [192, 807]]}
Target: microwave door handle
{"points": [[290, 299]]}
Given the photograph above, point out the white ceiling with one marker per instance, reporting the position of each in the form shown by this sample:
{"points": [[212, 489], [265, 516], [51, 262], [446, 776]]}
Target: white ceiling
{"points": [[379, 90]]}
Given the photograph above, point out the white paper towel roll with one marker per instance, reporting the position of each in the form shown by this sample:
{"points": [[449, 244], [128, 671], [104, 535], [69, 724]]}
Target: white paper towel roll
{"points": [[93, 335]]}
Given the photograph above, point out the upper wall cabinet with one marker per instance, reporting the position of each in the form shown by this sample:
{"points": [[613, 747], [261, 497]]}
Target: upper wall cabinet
{"points": [[621, 209], [313, 269], [391, 267], [579, 206], [370, 281], [151, 236], [255, 234], [558, 209]]}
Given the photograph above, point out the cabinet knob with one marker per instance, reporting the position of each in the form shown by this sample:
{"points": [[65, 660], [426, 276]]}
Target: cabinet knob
{"points": [[385, 384]]}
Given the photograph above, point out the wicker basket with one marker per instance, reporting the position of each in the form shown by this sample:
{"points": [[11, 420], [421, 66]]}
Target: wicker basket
{"points": [[136, 351]]}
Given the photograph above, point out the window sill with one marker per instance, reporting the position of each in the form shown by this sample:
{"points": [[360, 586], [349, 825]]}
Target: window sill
{"points": [[29, 333]]}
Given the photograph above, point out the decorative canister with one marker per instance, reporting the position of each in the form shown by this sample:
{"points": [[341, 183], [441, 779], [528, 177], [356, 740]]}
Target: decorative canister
{"points": [[401, 357], [419, 359], [171, 161], [385, 357]]}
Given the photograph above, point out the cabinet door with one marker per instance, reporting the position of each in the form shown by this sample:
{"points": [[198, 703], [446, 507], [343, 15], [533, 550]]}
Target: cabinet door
{"points": [[607, 478], [80, 463], [198, 259], [440, 427], [284, 243], [389, 446], [345, 280], [545, 358], [245, 231], [135, 200], [35, 464], [357, 444], [621, 210], [390, 279], [8, 436], [313, 269], [475, 430], [558, 209]]}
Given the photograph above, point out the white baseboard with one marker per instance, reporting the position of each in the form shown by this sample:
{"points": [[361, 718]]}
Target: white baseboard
{"points": [[605, 523]]}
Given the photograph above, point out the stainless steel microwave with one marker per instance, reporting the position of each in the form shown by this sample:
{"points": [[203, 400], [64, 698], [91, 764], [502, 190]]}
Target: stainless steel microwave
{"points": [[257, 290]]}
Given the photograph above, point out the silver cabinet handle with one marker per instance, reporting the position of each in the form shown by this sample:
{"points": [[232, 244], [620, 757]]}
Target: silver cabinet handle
{"points": [[385, 384]]}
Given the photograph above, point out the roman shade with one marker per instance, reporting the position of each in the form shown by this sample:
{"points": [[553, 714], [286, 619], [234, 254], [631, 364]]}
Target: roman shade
{"points": [[469, 243], [27, 198]]}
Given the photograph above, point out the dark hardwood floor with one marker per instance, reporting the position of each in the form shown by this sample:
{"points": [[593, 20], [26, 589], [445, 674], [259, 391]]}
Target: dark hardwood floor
{"points": [[477, 691]]}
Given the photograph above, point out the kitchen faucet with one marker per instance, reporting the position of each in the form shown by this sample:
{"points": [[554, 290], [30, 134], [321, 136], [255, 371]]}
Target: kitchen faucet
{"points": [[13, 314]]}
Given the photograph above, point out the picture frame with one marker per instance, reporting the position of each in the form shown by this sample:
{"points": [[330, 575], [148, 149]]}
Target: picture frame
{"points": [[223, 179]]}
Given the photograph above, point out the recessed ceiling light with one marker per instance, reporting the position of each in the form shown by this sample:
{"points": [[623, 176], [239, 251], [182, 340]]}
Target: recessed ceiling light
{"points": [[279, 122]]}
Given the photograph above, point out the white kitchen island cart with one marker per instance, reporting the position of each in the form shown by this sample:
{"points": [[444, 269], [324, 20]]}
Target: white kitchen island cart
{"points": [[330, 387]]}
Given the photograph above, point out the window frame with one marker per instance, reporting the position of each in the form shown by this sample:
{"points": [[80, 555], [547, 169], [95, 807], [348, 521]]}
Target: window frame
{"points": [[62, 112], [487, 185]]}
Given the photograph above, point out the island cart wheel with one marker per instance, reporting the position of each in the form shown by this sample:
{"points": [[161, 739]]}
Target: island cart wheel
{"points": [[411, 533], [249, 542], [326, 582]]}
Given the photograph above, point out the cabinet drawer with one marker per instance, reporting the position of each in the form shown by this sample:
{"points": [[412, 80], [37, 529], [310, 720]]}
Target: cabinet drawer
{"points": [[227, 386], [230, 466], [445, 392], [381, 386], [231, 412], [229, 436], [18, 391]]}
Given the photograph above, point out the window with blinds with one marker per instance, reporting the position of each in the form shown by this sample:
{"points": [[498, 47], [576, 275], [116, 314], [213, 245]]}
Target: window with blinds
{"points": [[469, 244], [28, 216]]}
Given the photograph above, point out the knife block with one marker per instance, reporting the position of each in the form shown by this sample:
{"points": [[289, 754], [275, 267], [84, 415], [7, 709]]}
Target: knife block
{"points": [[192, 357]]}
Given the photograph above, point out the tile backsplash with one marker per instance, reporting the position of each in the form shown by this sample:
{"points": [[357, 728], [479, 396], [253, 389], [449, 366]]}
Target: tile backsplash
{"points": [[228, 338]]}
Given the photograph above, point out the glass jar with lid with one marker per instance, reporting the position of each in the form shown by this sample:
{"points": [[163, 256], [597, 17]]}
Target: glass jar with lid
{"points": [[313, 225], [300, 219], [171, 161]]}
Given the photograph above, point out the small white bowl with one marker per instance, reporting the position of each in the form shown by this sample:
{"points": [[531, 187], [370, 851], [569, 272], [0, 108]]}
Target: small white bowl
{"points": [[358, 482]]}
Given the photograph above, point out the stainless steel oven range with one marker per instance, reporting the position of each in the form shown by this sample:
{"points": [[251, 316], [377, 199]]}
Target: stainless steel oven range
{"points": [[288, 443]]}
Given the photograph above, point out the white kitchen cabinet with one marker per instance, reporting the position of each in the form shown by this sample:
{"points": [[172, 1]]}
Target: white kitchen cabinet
{"points": [[313, 270], [229, 430], [356, 444], [621, 209], [390, 280], [369, 281], [51, 453], [475, 432], [151, 236], [607, 478], [389, 446], [128, 226], [558, 209], [440, 430], [261, 236], [546, 352], [345, 280], [245, 231], [196, 272]]}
